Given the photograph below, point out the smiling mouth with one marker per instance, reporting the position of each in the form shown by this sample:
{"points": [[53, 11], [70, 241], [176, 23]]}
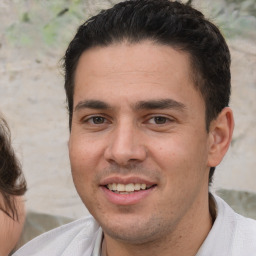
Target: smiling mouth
{"points": [[119, 188]]}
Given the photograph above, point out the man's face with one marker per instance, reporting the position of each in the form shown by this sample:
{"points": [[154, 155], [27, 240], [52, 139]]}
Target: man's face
{"points": [[139, 149]]}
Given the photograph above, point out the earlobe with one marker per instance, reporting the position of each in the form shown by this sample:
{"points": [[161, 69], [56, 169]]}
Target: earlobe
{"points": [[221, 130]]}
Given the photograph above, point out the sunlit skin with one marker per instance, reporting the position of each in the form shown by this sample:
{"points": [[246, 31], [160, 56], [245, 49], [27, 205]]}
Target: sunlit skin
{"points": [[138, 117], [10, 230]]}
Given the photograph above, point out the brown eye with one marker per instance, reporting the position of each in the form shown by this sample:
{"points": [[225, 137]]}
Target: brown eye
{"points": [[98, 120], [160, 120]]}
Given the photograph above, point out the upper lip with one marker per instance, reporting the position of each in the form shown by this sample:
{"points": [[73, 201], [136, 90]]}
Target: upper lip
{"points": [[126, 180]]}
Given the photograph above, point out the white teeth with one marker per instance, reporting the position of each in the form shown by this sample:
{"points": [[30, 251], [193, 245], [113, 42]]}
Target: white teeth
{"points": [[120, 187], [137, 186], [143, 186], [131, 187]]}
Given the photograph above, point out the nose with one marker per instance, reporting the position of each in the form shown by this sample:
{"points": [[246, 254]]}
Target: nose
{"points": [[125, 146]]}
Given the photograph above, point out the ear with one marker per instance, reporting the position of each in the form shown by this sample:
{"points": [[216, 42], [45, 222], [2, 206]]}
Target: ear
{"points": [[220, 135]]}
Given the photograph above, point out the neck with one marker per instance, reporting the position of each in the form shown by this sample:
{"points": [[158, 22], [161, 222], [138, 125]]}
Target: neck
{"points": [[185, 239]]}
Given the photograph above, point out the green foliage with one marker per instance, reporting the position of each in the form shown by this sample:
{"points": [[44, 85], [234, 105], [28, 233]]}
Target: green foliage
{"points": [[50, 24], [246, 7], [236, 18], [44, 23], [25, 17]]}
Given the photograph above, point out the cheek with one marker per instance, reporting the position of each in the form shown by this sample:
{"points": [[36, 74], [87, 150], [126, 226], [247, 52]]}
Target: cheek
{"points": [[84, 161], [171, 152], [84, 149], [86, 155], [80, 156], [181, 156], [10, 230]]}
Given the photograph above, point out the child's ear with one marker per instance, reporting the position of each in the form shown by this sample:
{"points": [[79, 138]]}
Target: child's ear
{"points": [[220, 132]]}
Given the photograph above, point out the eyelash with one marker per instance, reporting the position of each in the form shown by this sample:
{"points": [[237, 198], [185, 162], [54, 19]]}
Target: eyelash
{"points": [[92, 119], [160, 118]]}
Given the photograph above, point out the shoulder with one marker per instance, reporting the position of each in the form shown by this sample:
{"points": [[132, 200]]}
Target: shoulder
{"points": [[244, 236], [243, 229], [73, 238]]}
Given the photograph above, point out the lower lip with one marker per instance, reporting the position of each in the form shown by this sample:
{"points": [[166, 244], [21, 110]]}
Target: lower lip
{"points": [[126, 199]]}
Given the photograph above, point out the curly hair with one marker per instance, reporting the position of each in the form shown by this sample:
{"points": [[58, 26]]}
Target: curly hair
{"points": [[163, 22], [12, 181]]}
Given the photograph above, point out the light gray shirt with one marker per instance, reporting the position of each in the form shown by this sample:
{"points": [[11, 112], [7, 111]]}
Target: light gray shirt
{"points": [[231, 235]]}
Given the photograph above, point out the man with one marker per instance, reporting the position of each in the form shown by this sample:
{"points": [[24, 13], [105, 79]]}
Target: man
{"points": [[148, 87]]}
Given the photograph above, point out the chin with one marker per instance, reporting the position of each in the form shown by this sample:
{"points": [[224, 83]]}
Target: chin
{"points": [[134, 231]]}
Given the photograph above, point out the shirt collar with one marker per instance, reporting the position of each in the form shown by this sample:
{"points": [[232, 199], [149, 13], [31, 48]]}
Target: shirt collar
{"points": [[97, 246]]}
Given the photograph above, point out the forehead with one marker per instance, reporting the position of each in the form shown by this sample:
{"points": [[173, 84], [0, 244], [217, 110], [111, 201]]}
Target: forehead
{"points": [[142, 56], [134, 70]]}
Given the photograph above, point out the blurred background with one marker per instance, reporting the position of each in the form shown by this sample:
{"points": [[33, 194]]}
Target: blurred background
{"points": [[33, 37]]}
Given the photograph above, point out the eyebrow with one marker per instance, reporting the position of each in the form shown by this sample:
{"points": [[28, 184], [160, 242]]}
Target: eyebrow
{"points": [[160, 104], [141, 105], [92, 104]]}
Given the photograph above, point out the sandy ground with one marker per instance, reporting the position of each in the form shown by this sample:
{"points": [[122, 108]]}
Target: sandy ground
{"points": [[33, 101]]}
